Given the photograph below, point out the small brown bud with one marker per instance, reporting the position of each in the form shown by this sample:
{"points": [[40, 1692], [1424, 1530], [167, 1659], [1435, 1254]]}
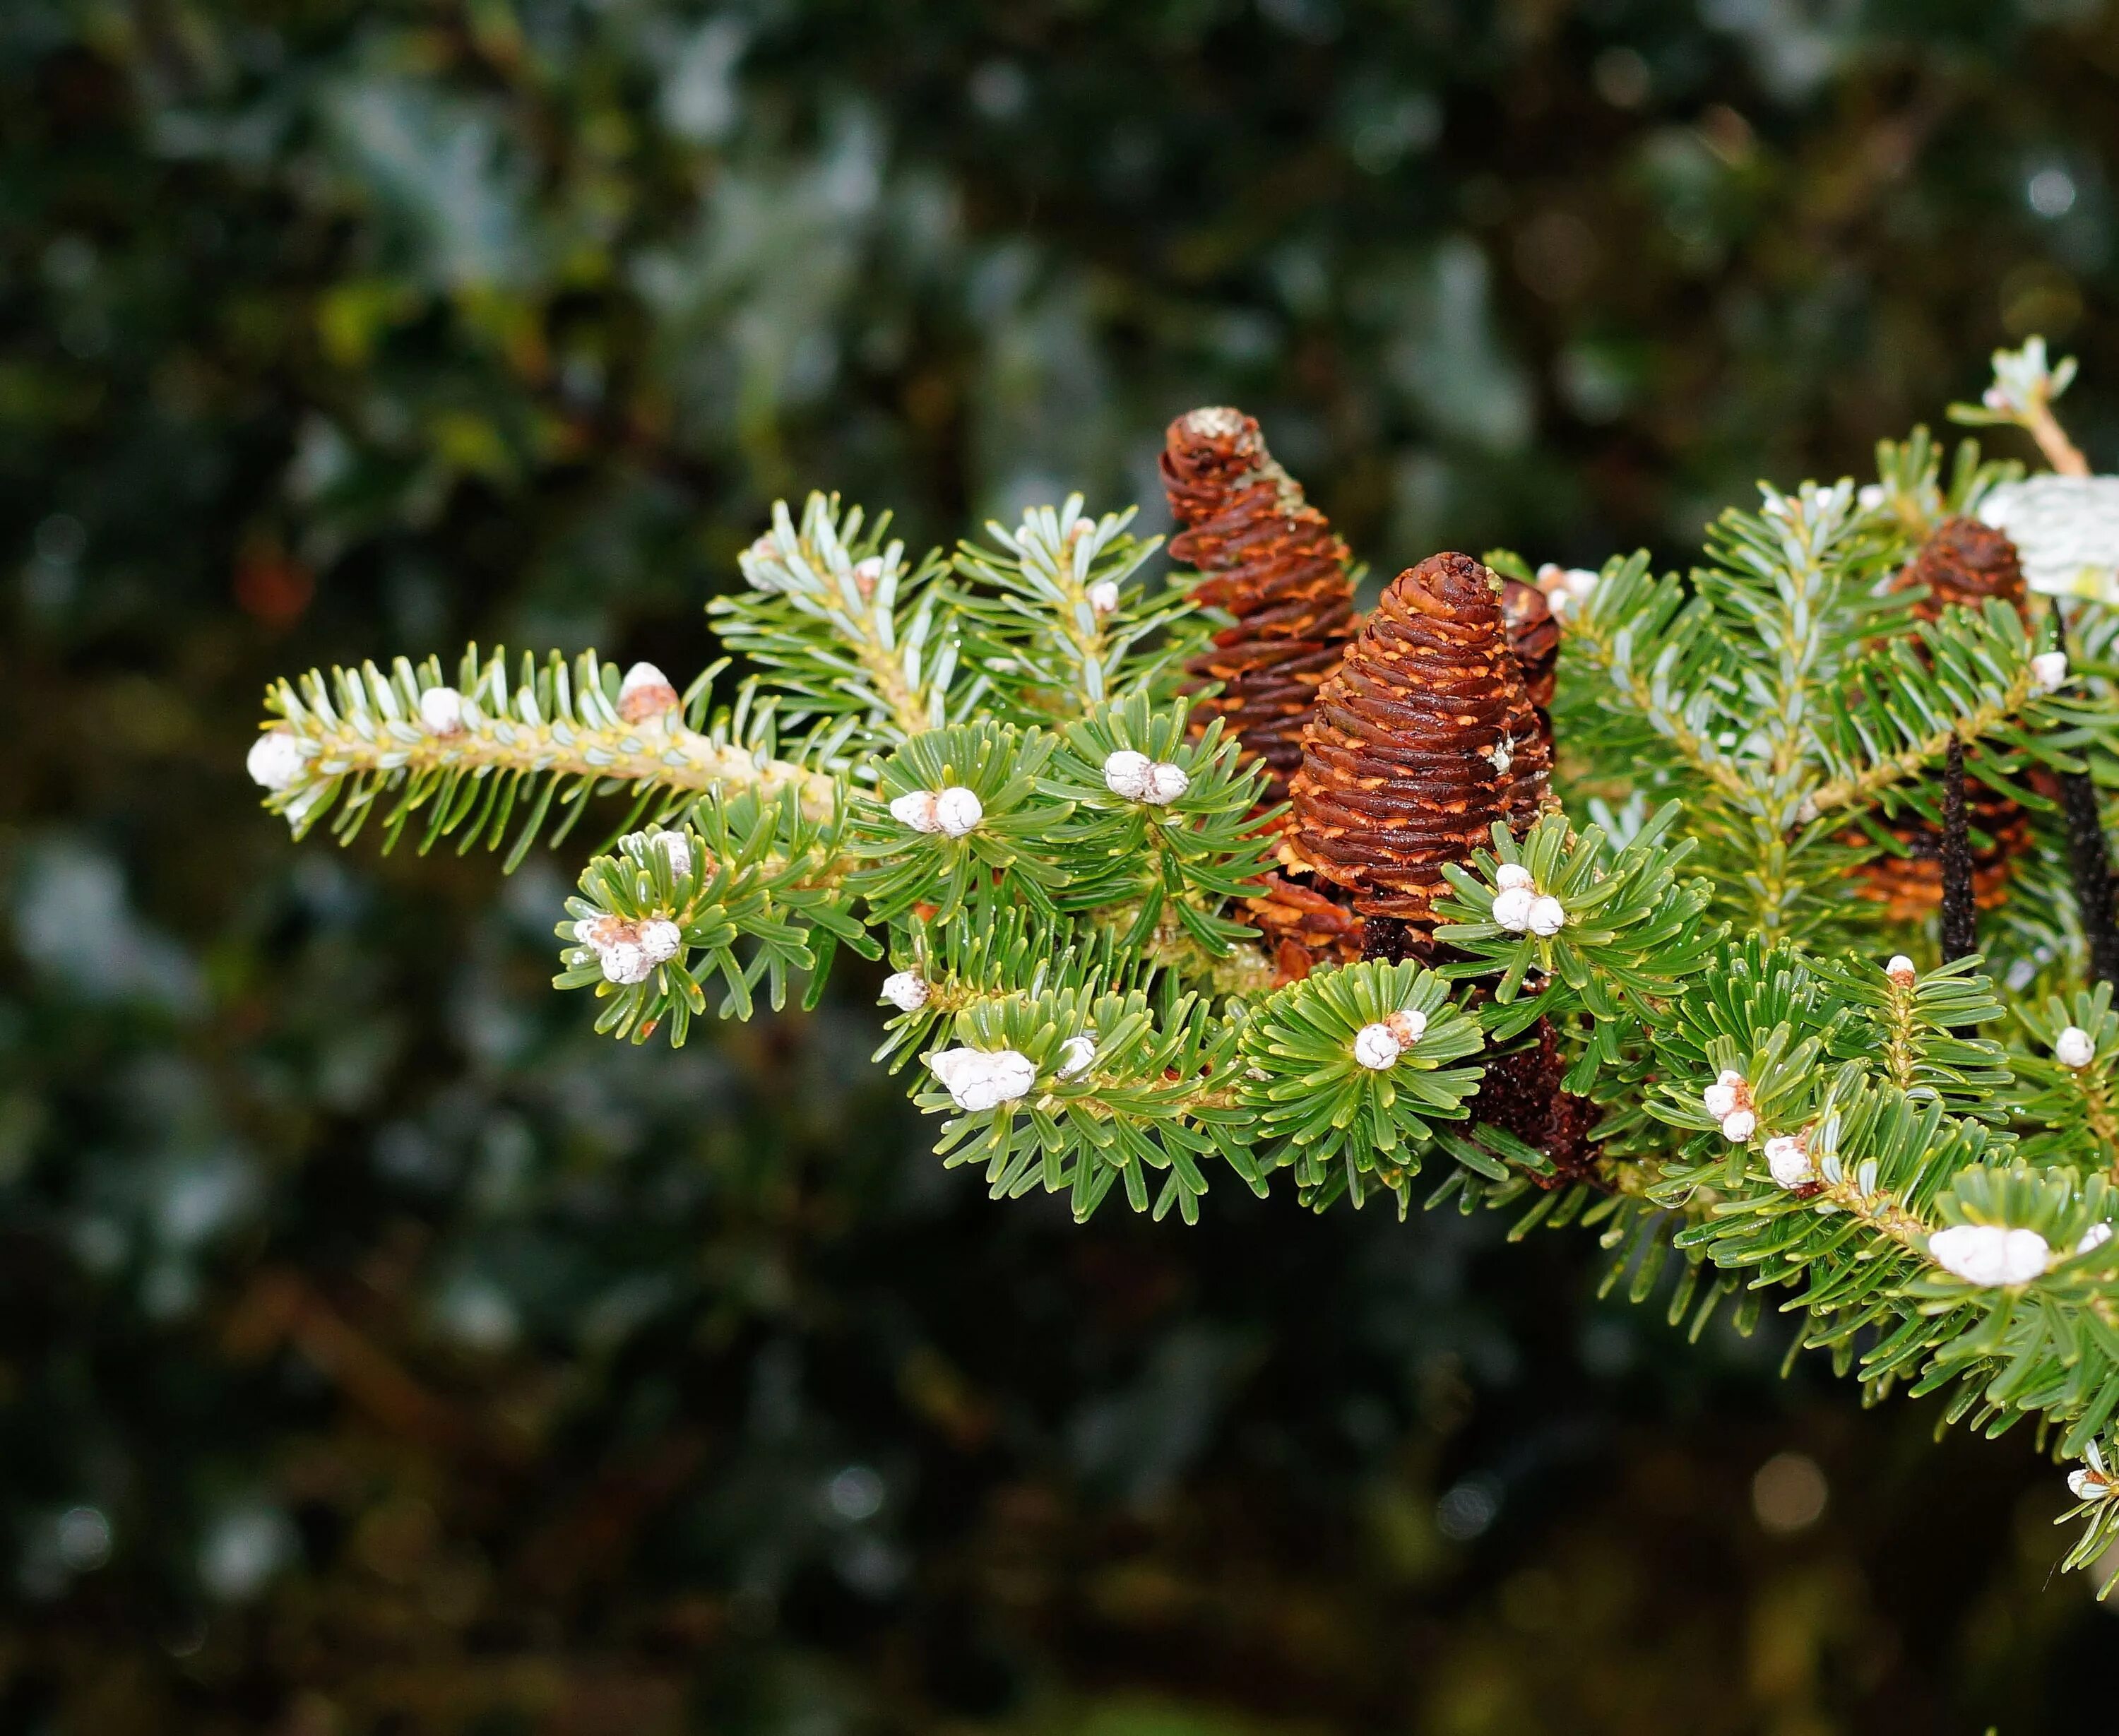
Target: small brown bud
{"points": [[1962, 564]]}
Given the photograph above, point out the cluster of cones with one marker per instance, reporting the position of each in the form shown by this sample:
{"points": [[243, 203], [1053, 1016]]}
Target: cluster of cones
{"points": [[1398, 741]]}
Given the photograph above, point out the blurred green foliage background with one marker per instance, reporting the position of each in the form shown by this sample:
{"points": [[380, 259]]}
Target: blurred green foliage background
{"points": [[380, 1352]]}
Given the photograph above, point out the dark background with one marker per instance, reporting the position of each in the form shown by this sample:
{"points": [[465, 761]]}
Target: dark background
{"points": [[381, 1352]]}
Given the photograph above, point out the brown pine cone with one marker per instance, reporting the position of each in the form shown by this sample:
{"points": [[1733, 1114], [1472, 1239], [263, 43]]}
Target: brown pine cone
{"points": [[1268, 558], [1962, 564], [1424, 737]]}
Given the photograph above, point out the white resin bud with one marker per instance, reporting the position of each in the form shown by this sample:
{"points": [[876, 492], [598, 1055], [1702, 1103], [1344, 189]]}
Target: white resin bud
{"points": [[440, 710], [958, 811], [2093, 1238], [1719, 1101], [1547, 917], [626, 962], [1408, 1026], [1375, 1048], [1076, 1053], [1511, 874], [660, 939], [905, 990], [917, 808], [1990, 1254], [1739, 1126], [676, 850], [2072, 1048], [979, 1080], [1512, 907], [868, 574], [275, 759], [2048, 671], [1900, 970], [1165, 783], [645, 693], [1788, 1158], [1104, 596], [1126, 772], [2085, 1484]]}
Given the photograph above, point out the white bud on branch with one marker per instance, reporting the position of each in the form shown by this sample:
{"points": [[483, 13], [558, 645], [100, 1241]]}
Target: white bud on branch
{"points": [[677, 850], [958, 811], [1375, 1048], [2048, 671], [275, 760], [1104, 596], [978, 1079], [906, 991], [645, 693], [1990, 1255], [916, 808], [1076, 1053], [1125, 773], [440, 710], [1379, 1045], [1723, 1099], [1139, 779], [629, 951], [1900, 970], [1408, 1026], [954, 811], [2086, 1484], [1787, 1156], [2073, 1047], [2093, 1238], [1512, 907], [1511, 874], [1547, 917]]}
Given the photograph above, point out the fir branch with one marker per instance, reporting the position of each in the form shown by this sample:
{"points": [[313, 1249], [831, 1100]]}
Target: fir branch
{"points": [[1974, 679], [1059, 625], [1077, 1092], [1167, 824], [2022, 396], [477, 755], [845, 628], [1352, 1068], [1647, 645], [747, 890]]}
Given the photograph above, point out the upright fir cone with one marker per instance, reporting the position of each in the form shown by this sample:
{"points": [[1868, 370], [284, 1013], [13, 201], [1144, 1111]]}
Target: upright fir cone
{"points": [[1268, 558], [1424, 737], [1962, 564]]}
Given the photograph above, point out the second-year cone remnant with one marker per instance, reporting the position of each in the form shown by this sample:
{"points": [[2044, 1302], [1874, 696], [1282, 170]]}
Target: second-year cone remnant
{"points": [[1962, 564], [1269, 559], [1424, 738]]}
